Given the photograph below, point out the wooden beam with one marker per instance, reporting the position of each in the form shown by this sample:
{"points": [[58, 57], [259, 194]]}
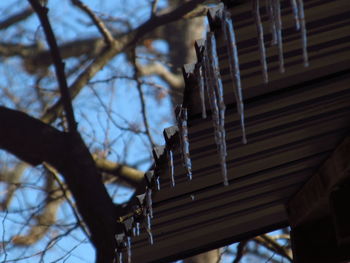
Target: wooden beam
{"points": [[312, 200]]}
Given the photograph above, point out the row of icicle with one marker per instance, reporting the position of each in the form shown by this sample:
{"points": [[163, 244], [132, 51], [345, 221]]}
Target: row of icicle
{"points": [[207, 72], [139, 218], [273, 10]]}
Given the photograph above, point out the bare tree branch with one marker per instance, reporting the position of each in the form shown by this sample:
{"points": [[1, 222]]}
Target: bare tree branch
{"points": [[142, 99], [211, 256], [176, 81], [271, 244], [69, 155], [51, 172], [107, 35], [35, 58], [240, 251], [14, 19], [201, 10], [154, 7], [119, 45], [12, 178], [59, 65], [45, 219], [130, 175], [24, 51], [101, 60]]}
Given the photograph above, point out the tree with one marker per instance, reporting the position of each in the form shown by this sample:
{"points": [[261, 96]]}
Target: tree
{"points": [[50, 110]]}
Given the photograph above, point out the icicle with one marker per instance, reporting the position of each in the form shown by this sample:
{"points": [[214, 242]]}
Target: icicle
{"points": [[303, 32], [294, 6], [120, 244], [158, 183], [171, 166], [213, 58], [120, 256], [277, 9], [149, 229], [229, 35], [272, 19], [150, 236], [206, 74], [128, 246], [148, 221], [137, 226], [216, 75], [200, 81], [215, 95], [186, 145], [259, 29], [211, 94], [149, 202], [129, 227], [219, 89], [182, 123]]}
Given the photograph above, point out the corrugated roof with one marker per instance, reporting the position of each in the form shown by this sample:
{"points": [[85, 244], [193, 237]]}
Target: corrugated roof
{"points": [[293, 123]]}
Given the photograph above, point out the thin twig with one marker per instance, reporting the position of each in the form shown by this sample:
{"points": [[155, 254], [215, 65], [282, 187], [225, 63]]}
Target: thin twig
{"points": [[240, 251], [221, 253], [107, 35], [18, 17], [53, 241], [271, 244], [3, 243], [154, 7], [110, 117], [54, 173], [42, 11], [142, 99]]}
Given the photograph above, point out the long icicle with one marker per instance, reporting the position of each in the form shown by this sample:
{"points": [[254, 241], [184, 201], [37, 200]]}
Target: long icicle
{"points": [[211, 91], [129, 249], [149, 228], [158, 183], [260, 31], [221, 105], [214, 112], [272, 20], [137, 228], [303, 32], [120, 244], [216, 75], [211, 94], [229, 34], [120, 257], [200, 80], [184, 143], [215, 94], [149, 202], [277, 11], [295, 9], [171, 166]]}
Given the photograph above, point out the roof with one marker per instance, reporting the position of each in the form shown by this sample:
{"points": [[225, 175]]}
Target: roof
{"points": [[293, 123]]}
